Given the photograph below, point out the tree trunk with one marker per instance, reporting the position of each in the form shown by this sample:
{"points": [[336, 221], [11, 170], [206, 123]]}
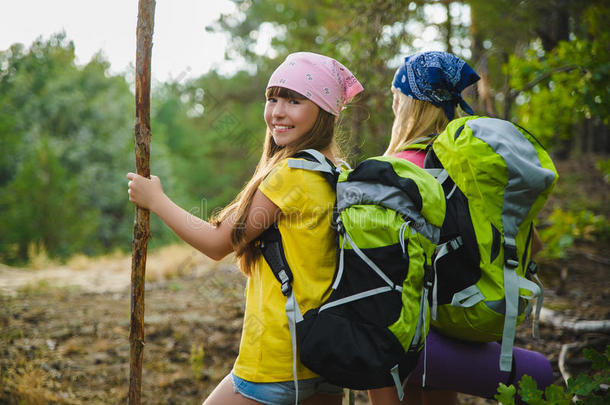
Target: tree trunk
{"points": [[555, 19], [141, 229], [508, 94], [448, 26], [485, 102]]}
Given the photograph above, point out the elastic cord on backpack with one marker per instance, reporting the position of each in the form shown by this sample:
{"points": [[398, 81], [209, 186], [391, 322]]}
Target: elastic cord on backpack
{"points": [[399, 386], [423, 377], [441, 251], [422, 313], [532, 271], [370, 263], [401, 237], [293, 313], [341, 264]]}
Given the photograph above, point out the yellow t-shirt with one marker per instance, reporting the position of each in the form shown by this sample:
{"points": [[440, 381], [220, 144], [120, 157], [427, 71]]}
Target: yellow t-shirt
{"points": [[306, 201]]}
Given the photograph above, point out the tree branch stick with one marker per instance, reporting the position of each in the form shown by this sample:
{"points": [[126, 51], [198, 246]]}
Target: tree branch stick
{"points": [[141, 229], [561, 69]]}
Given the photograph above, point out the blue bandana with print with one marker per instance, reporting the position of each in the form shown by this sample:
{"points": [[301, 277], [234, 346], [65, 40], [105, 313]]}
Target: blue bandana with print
{"points": [[436, 77]]}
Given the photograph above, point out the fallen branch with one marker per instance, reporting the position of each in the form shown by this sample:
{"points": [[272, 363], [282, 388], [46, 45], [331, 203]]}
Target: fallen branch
{"points": [[561, 361], [593, 258], [557, 320], [575, 346]]}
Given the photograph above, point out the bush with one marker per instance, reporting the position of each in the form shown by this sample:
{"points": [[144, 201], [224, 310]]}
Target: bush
{"points": [[584, 389]]}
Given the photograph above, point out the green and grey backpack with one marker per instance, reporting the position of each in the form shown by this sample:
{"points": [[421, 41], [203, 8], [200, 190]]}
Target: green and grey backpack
{"points": [[496, 177], [369, 332]]}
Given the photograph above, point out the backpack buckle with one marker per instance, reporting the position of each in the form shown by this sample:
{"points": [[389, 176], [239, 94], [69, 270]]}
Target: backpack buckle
{"points": [[428, 276], [340, 227], [532, 268], [286, 288], [513, 264], [510, 256], [456, 243]]}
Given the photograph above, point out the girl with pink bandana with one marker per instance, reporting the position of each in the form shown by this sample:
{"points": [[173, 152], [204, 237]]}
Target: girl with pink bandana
{"points": [[305, 95]]}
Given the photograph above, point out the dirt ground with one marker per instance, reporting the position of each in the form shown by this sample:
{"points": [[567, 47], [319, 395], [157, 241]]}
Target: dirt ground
{"points": [[68, 343], [64, 330]]}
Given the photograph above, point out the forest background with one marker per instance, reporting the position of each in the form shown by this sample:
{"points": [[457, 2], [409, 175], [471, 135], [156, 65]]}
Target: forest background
{"points": [[66, 130], [66, 142]]}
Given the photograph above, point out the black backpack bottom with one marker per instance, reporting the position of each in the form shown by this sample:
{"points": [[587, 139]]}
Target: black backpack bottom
{"points": [[351, 354]]}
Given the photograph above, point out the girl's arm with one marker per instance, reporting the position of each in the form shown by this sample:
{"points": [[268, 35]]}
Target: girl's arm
{"points": [[214, 242]]}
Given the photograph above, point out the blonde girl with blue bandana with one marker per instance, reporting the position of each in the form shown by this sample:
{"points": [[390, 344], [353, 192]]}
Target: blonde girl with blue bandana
{"points": [[426, 91]]}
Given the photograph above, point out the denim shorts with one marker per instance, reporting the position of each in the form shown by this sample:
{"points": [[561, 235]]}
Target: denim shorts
{"points": [[282, 393]]}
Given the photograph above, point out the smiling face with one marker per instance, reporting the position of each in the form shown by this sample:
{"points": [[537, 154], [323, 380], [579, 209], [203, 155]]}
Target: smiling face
{"points": [[289, 116]]}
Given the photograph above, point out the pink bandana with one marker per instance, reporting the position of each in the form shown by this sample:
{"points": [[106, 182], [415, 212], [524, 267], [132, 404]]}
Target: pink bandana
{"points": [[321, 79]]}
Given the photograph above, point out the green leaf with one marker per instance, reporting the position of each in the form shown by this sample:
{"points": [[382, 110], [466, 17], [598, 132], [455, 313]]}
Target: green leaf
{"points": [[528, 390], [599, 360], [555, 394], [582, 385], [506, 395], [594, 400]]}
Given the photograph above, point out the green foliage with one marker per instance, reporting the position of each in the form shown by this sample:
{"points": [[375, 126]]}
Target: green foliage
{"points": [[43, 205], [506, 394], [600, 361], [214, 132], [567, 85], [585, 387], [528, 390], [66, 131], [603, 165], [66, 142], [529, 393], [555, 394], [65, 145], [567, 227], [588, 386], [197, 360], [363, 35]]}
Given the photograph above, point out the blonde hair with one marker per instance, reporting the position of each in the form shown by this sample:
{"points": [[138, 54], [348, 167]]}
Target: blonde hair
{"points": [[414, 120], [320, 137]]}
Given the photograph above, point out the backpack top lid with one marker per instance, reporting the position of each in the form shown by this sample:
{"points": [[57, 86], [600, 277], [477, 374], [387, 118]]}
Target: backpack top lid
{"points": [[504, 171], [396, 184]]}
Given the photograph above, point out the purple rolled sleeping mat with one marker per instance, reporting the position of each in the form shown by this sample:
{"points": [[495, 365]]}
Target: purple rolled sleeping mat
{"points": [[473, 368]]}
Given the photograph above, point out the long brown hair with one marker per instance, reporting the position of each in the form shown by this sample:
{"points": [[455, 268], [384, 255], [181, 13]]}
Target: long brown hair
{"points": [[414, 120], [320, 137]]}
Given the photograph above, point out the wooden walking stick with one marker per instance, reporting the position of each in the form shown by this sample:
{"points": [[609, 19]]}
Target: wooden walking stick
{"points": [[141, 228]]}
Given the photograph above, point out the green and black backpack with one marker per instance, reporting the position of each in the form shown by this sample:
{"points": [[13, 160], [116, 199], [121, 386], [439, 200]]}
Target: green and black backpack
{"points": [[496, 177], [369, 332]]}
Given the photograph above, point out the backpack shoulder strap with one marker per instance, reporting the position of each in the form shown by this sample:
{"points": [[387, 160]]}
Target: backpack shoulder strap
{"points": [[423, 143], [272, 249], [270, 241], [317, 162]]}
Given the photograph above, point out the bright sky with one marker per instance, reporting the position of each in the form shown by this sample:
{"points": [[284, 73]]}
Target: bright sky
{"points": [[181, 46]]}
